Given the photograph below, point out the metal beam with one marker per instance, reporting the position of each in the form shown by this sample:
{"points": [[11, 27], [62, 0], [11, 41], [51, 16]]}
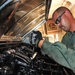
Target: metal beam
{"points": [[47, 8]]}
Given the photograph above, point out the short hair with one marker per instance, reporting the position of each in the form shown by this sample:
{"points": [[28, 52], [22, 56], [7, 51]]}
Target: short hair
{"points": [[61, 9]]}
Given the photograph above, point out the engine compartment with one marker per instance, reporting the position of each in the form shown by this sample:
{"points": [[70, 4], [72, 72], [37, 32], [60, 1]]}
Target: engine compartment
{"points": [[18, 58]]}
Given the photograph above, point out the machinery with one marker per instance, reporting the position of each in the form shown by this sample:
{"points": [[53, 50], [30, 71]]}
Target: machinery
{"points": [[17, 55], [18, 58]]}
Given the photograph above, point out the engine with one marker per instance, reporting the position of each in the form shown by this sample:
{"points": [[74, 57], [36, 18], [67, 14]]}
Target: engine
{"points": [[17, 58]]}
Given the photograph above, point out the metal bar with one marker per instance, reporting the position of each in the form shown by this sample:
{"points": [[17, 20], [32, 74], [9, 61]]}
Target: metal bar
{"points": [[41, 23], [47, 8], [5, 3]]}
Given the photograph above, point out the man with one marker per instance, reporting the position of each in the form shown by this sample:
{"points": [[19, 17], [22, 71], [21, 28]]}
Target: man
{"points": [[62, 52]]}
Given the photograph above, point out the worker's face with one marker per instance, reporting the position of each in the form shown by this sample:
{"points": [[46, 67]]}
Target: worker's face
{"points": [[62, 21]]}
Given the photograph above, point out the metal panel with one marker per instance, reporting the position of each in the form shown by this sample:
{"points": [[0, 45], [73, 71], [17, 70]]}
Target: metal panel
{"points": [[28, 21]]}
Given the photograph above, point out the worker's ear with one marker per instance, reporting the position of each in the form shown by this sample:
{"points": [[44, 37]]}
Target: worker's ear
{"points": [[67, 13]]}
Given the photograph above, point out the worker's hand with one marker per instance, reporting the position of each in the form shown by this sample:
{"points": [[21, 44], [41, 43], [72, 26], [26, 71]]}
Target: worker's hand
{"points": [[35, 38]]}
